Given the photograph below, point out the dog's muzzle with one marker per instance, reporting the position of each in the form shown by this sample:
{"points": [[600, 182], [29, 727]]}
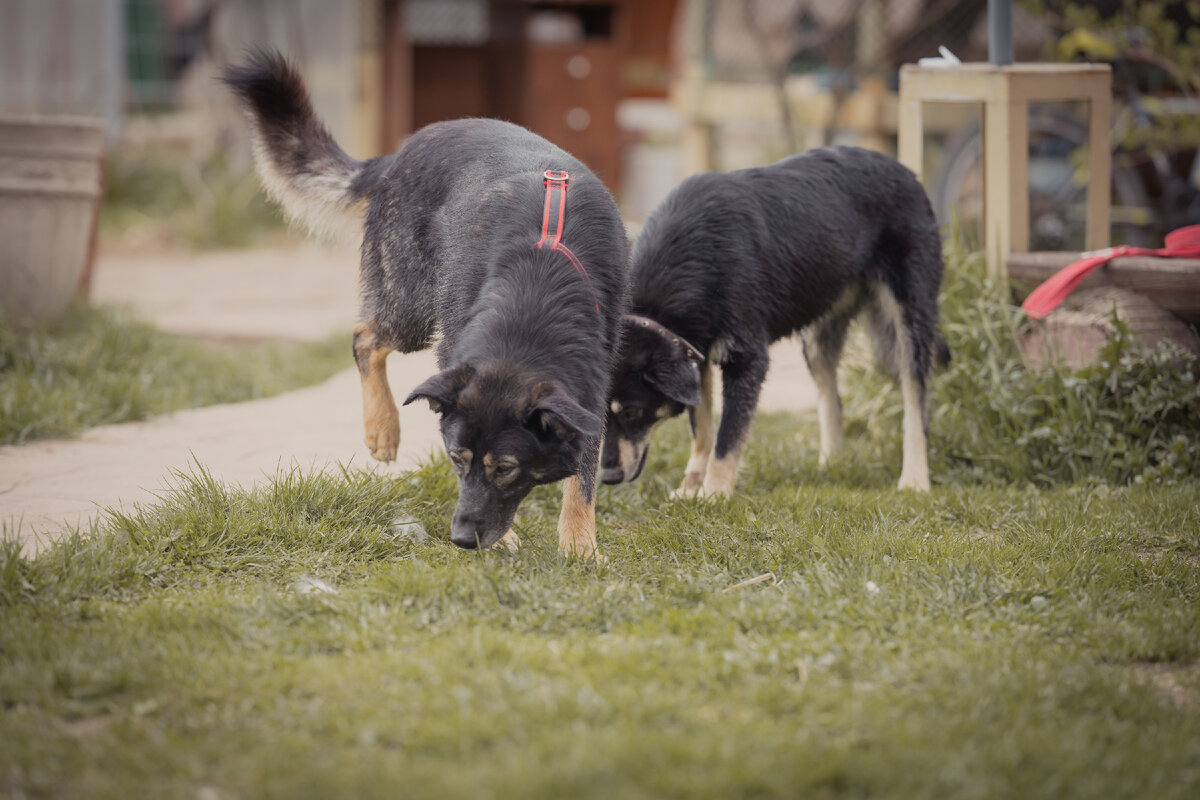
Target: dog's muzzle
{"points": [[612, 475], [468, 533], [622, 473]]}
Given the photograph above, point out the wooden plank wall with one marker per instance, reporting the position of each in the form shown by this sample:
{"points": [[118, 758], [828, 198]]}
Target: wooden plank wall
{"points": [[62, 57]]}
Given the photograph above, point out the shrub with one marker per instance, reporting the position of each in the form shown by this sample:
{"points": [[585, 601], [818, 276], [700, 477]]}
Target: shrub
{"points": [[1133, 415]]}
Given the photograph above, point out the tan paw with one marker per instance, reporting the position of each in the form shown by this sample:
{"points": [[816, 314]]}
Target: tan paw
{"points": [[583, 548], [509, 541], [383, 437]]}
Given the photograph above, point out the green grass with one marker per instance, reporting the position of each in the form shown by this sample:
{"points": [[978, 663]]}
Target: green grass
{"points": [[973, 642], [97, 366], [200, 205], [1030, 628]]}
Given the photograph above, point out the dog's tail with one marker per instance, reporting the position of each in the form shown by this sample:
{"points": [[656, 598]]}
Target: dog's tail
{"points": [[300, 164], [942, 356]]}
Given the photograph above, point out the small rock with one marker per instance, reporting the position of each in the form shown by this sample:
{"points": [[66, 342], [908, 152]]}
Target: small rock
{"points": [[309, 584], [1037, 602], [406, 527]]}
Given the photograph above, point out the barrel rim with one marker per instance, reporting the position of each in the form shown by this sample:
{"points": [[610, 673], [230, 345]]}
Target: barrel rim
{"points": [[58, 120]]}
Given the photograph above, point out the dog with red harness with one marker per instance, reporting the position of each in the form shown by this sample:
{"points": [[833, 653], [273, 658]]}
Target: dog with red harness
{"points": [[503, 244]]}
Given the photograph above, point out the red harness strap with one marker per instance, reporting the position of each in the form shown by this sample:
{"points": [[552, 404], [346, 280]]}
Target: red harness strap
{"points": [[554, 216]]}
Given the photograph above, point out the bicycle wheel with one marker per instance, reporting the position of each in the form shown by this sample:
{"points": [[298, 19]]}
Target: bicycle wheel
{"points": [[1057, 195]]}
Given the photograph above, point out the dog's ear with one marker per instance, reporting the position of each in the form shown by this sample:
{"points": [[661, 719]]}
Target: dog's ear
{"points": [[552, 410], [673, 364], [442, 389], [676, 377]]}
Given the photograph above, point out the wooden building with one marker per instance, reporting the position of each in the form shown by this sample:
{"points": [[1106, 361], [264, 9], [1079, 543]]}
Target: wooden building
{"points": [[560, 68]]}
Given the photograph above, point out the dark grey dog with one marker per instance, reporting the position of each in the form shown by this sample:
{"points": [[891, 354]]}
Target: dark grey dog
{"points": [[729, 263], [504, 244]]}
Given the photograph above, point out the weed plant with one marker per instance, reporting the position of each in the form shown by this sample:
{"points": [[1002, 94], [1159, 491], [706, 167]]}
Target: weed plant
{"points": [[97, 366], [1133, 415]]}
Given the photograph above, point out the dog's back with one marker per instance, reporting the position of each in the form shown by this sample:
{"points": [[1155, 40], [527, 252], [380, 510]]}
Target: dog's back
{"points": [[765, 251], [469, 193], [455, 190]]}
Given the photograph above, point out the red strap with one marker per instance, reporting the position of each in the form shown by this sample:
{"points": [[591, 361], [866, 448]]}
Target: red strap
{"points": [[1181, 243], [554, 214]]}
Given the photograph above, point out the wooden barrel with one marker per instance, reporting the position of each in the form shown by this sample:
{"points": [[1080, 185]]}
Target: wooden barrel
{"points": [[49, 189]]}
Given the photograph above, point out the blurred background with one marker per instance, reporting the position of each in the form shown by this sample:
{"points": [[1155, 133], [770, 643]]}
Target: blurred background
{"points": [[644, 91]]}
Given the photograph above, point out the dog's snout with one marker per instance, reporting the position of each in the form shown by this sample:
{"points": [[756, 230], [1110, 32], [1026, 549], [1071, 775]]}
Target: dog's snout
{"points": [[611, 475], [466, 539], [466, 530]]}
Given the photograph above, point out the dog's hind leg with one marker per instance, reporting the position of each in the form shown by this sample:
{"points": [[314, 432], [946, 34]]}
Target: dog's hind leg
{"points": [[381, 419], [742, 376], [823, 342], [905, 346], [701, 419]]}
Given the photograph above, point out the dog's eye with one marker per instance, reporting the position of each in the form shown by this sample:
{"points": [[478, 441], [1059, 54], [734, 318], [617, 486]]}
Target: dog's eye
{"points": [[630, 414], [504, 469]]}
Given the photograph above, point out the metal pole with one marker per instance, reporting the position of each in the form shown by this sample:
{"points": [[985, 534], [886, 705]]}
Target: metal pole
{"points": [[1000, 42]]}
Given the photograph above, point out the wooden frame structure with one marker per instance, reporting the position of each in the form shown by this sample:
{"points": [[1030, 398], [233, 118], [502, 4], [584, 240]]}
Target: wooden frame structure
{"points": [[1005, 93]]}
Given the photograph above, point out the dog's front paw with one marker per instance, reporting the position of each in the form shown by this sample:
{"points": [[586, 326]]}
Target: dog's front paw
{"points": [[383, 436], [509, 541], [713, 489], [584, 551], [721, 477], [692, 483]]}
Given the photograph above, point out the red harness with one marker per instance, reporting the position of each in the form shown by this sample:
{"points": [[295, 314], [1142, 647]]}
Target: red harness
{"points": [[553, 217]]}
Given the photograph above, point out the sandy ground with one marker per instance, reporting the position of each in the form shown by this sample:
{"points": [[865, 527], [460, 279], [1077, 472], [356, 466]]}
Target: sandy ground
{"points": [[292, 291]]}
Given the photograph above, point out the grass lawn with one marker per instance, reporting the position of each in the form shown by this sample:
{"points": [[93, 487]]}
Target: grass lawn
{"points": [[96, 366], [1028, 629], [972, 642]]}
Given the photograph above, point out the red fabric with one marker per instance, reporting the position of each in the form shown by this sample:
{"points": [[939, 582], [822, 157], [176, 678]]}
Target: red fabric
{"points": [[1181, 243], [556, 183]]}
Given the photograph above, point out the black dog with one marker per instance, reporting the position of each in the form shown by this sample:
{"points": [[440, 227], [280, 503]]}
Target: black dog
{"points": [[729, 263], [506, 245]]}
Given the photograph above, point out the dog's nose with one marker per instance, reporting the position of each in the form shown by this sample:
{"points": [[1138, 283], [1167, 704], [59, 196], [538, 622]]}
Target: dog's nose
{"points": [[466, 538], [465, 532], [611, 475]]}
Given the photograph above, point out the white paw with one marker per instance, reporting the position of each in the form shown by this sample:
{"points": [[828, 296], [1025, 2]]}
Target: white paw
{"points": [[918, 483], [691, 486]]}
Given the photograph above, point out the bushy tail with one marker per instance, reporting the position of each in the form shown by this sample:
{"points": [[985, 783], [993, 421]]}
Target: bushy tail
{"points": [[300, 164]]}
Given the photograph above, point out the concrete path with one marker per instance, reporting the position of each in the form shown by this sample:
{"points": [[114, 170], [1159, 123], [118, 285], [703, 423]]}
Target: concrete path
{"points": [[295, 292]]}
